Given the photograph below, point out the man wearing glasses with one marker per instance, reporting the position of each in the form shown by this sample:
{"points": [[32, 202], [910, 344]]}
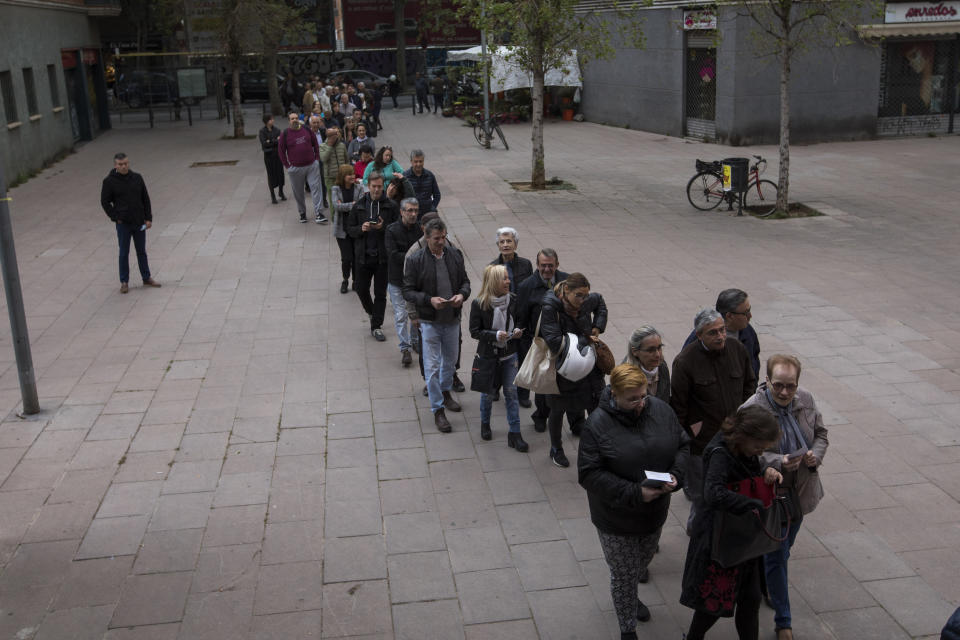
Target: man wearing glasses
{"points": [[734, 306], [711, 378]]}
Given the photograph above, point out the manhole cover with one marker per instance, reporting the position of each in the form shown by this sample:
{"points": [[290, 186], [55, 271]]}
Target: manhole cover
{"points": [[215, 163]]}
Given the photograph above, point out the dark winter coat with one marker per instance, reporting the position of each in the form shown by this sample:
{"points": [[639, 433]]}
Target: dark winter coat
{"points": [[481, 330], [425, 189], [521, 267], [616, 447], [399, 238], [368, 210], [708, 386], [706, 585], [124, 198], [556, 324], [530, 294], [747, 337], [420, 280]]}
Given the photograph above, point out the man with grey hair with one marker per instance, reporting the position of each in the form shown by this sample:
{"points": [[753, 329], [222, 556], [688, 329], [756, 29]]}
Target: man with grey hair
{"points": [[711, 378], [734, 306], [424, 183]]}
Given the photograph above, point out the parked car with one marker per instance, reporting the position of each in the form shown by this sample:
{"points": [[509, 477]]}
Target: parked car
{"points": [[140, 88], [359, 75], [253, 85]]}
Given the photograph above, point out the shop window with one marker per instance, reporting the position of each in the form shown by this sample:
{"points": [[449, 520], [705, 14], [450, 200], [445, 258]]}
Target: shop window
{"points": [[54, 85], [914, 78], [9, 100], [31, 90]]}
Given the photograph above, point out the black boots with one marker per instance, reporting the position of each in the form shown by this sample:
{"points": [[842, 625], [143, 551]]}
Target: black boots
{"points": [[273, 198], [485, 431], [515, 441], [280, 193]]}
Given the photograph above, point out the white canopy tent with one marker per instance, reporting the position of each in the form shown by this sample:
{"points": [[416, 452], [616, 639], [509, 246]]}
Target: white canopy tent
{"points": [[506, 75]]}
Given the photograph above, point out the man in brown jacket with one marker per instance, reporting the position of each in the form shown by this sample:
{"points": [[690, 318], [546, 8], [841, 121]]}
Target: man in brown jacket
{"points": [[711, 378]]}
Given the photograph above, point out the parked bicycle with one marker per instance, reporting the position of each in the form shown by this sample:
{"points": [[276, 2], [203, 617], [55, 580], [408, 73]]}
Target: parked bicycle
{"points": [[483, 130], [705, 189]]}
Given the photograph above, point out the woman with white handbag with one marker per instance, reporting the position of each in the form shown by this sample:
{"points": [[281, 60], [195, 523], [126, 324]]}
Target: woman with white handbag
{"points": [[570, 321]]}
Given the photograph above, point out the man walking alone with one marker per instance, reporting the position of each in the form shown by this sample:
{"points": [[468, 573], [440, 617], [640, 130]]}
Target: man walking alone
{"points": [[125, 200]]}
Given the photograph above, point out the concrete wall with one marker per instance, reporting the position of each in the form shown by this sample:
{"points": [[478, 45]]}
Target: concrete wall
{"points": [[834, 92], [640, 88], [33, 37]]}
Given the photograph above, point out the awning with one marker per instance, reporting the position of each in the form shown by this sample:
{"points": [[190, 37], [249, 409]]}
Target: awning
{"points": [[506, 74], [908, 29]]}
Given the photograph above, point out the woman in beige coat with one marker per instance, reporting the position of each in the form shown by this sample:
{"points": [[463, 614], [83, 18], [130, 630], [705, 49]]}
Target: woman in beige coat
{"points": [[802, 445]]}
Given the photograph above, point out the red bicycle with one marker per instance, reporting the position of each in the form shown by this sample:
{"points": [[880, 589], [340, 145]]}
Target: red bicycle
{"points": [[705, 189]]}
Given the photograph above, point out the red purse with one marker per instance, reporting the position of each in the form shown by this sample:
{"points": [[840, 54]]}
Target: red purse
{"points": [[756, 488]]}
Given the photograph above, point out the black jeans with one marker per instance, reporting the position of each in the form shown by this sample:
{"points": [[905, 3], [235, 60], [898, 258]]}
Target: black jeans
{"points": [[558, 407], [437, 101], [747, 614], [363, 275], [346, 256], [126, 232], [423, 101]]}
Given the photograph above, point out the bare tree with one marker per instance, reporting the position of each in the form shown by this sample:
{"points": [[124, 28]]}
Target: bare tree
{"points": [[784, 28], [545, 32]]}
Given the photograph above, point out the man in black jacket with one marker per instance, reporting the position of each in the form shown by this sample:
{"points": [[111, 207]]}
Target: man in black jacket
{"points": [[401, 235], [124, 198], [424, 183], [367, 224], [435, 281], [530, 295]]}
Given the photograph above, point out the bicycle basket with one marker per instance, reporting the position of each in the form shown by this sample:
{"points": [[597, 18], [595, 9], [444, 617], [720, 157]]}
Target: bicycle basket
{"points": [[714, 167]]}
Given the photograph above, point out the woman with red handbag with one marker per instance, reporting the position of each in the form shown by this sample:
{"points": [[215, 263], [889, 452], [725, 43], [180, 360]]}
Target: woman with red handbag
{"points": [[731, 462]]}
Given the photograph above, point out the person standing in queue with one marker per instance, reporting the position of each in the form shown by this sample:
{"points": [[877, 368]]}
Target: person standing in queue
{"points": [[629, 433], [269, 137], [571, 309]]}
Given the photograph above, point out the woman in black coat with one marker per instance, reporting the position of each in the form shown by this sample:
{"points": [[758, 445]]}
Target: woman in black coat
{"points": [[571, 308], [269, 137], [645, 350], [629, 433], [493, 324], [711, 590]]}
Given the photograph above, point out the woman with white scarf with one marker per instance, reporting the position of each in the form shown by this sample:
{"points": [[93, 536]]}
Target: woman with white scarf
{"points": [[493, 318], [800, 451], [645, 350]]}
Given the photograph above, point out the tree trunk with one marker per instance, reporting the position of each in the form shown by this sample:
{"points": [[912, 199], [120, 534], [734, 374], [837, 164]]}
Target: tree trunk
{"points": [[398, 7], [273, 91], [784, 184], [237, 107], [537, 177]]}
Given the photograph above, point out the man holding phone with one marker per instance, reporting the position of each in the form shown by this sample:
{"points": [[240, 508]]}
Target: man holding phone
{"points": [[435, 280], [124, 199], [367, 225]]}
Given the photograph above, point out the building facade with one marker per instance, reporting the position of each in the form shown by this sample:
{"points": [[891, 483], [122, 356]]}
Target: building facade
{"points": [[52, 86], [700, 76]]}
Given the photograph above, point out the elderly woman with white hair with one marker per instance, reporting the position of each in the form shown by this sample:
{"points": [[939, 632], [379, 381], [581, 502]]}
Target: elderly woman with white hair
{"points": [[645, 350], [518, 270]]}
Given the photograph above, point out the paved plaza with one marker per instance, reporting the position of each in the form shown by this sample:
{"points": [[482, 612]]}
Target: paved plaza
{"points": [[233, 456]]}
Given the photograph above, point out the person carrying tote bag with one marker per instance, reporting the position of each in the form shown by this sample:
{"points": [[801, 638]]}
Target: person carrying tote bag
{"points": [[493, 324], [710, 589], [539, 369]]}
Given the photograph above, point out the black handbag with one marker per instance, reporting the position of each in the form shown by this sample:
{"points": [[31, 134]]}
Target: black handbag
{"points": [[485, 374], [745, 536]]}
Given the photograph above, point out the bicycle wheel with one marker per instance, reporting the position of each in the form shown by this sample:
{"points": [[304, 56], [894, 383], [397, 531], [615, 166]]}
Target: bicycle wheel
{"points": [[496, 127], [705, 191], [478, 132], [761, 198]]}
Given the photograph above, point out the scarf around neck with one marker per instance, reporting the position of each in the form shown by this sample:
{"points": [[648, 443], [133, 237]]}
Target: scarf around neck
{"points": [[791, 437], [501, 319]]}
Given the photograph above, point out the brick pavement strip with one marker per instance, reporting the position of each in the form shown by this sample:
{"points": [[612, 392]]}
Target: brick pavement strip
{"points": [[233, 455]]}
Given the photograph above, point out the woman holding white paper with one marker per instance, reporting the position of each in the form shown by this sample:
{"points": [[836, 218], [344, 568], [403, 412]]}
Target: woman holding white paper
{"points": [[797, 455], [628, 439]]}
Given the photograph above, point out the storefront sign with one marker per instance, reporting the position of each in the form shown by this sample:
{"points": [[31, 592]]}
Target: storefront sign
{"points": [[371, 24], [700, 19], [922, 11], [68, 58]]}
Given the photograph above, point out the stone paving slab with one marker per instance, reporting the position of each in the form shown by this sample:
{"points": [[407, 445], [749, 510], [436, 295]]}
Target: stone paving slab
{"points": [[233, 456]]}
